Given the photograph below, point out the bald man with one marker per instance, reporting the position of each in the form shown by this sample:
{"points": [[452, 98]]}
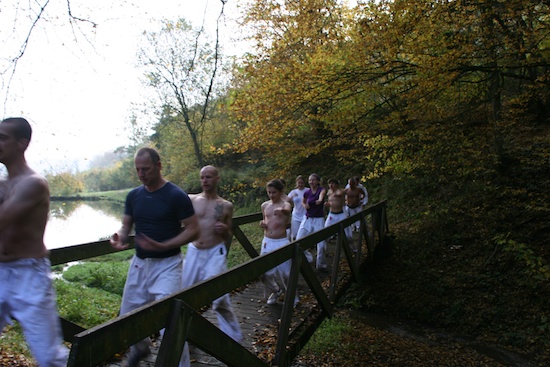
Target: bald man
{"points": [[207, 256]]}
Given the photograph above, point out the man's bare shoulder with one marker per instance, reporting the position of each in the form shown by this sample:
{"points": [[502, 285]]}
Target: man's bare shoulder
{"points": [[225, 202], [198, 196], [34, 183]]}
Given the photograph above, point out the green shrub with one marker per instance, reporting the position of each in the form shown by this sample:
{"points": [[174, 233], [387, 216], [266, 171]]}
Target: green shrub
{"points": [[85, 306], [109, 276]]}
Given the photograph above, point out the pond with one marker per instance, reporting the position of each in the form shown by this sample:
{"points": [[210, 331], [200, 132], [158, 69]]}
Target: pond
{"points": [[76, 222]]}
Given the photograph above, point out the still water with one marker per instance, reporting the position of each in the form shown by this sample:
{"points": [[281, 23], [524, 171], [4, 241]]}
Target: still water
{"points": [[76, 222]]}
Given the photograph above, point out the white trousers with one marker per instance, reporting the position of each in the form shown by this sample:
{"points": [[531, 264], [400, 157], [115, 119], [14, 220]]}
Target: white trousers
{"points": [[307, 227], [149, 280], [352, 211], [28, 296], [202, 264], [282, 271], [335, 218]]}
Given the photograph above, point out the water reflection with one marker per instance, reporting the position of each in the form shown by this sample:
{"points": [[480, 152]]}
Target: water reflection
{"points": [[75, 222]]}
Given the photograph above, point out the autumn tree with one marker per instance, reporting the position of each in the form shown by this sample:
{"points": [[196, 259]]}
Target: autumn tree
{"points": [[392, 86], [64, 184], [275, 94]]}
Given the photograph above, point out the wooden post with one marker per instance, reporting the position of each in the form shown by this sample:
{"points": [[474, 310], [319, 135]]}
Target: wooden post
{"points": [[175, 335], [288, 307]]}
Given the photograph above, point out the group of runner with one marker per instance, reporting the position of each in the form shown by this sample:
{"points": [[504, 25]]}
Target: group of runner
{"points": [[287, 217], [164, 218]]}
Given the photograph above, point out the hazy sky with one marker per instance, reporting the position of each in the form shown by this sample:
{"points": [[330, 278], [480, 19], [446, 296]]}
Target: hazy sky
{"points": [[76, 86]]}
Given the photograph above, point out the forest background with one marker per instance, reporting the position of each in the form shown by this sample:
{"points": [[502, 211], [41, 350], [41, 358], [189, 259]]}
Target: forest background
{"points": [[441, 107]]}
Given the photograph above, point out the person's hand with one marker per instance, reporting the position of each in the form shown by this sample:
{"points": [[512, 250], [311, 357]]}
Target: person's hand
{"points": [[263, 225], [117, 243], [147, 243], [220, 227]]}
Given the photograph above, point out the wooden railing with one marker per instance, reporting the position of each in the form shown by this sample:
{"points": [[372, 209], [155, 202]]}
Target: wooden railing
{"points": [[178, 313]]}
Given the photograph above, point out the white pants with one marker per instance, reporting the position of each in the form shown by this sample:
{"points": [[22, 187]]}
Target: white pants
{"points": [[294, 227], [27, 295], [335, 218], [282, 270], [202, 264], [352, 211], [307, 227], [149, 280]]}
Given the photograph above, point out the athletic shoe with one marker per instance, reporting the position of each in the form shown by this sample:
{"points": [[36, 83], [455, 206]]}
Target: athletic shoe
{"points": [[137, 352], [273, 297]]}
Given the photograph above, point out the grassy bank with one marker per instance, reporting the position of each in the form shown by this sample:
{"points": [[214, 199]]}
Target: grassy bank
{"points": [[116, 195]]}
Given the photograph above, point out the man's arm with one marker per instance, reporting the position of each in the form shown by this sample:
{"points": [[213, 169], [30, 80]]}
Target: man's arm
{"points": [[25, 197], [119, 240], [262, 222], [225, 227], [190, 232], [287, 209], [365, 199]]}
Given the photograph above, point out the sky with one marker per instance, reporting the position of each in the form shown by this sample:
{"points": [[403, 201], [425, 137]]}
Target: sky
{"points": [[79, 87]]}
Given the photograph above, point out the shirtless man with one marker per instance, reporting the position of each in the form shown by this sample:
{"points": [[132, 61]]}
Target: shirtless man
{"points": [[335, 203], [207, 256], [26, 289], [276, 216], [354, 197]]}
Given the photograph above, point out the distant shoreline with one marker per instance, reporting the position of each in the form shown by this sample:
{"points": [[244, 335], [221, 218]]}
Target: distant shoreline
{"points": [[115, 195]]}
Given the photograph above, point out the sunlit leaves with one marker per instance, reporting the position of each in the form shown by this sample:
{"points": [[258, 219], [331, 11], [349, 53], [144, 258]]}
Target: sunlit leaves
{"points": [[326, 78]]}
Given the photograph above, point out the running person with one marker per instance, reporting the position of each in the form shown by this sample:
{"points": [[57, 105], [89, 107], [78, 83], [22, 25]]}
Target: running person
{"points": [[298, 210], [276, 216], [26, 290], [313, 202], [159, 209], [335, 203], [207, 256], [354, 197]]}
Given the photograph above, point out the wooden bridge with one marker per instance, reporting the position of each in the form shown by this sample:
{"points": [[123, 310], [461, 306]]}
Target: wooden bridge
{"points": [[273, 334]]}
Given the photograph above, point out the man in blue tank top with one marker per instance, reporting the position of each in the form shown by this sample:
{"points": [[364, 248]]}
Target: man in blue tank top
{"points": [[164, 220]]}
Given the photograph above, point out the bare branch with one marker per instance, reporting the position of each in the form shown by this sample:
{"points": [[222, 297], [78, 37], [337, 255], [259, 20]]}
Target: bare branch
{"points": [[15, 60]]}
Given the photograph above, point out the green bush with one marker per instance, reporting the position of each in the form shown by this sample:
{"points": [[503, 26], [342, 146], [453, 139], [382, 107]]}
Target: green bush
{"points": [[85, 306], [109, 276]]}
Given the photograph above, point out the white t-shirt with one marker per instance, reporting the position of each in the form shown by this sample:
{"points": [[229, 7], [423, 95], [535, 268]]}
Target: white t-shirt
{"points": [[298, 210]]}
